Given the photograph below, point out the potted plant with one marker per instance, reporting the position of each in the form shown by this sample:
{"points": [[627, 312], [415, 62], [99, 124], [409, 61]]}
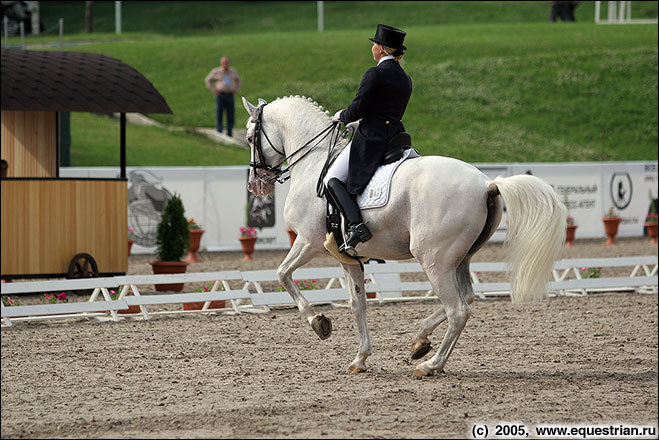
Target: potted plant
{"points": [[651, 226], [247, 239], [195, 240], [115, 294], [611, 221], [172, 241], [218, 304], [570, 227], [131, 239]]}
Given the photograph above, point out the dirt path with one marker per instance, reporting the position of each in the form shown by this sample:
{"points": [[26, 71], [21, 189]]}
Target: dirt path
{"points": [[570, 361]]}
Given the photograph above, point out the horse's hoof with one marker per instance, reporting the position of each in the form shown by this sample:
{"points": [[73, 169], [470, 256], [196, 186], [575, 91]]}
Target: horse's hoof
{"points": [[420, 372], [421, 350], [322, 326], [356, 370]]}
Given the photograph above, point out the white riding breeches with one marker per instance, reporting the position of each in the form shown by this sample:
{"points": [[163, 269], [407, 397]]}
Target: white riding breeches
{"points": [[339, 168]]}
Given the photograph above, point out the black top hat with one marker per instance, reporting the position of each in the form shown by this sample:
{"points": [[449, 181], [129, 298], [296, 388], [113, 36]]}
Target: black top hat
{"points": [[390, 37]]}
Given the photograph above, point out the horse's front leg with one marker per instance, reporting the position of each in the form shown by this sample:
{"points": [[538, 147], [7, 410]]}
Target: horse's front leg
{"points": [[355, 279], [301, 253]]}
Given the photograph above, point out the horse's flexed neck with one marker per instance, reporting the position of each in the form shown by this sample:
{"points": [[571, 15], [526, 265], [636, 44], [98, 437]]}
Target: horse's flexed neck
{"points": [[285, 130]]}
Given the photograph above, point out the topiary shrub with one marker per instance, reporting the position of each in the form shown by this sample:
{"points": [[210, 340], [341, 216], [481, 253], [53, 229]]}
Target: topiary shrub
{"points": [[173, 236]]}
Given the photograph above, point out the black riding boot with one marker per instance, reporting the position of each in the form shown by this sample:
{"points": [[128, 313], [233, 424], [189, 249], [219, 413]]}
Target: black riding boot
{"points": [[358, 231]]}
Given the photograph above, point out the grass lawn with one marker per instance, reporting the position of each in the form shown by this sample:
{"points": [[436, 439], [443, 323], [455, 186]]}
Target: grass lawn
{"points": [[518, 90], [95, 142]]}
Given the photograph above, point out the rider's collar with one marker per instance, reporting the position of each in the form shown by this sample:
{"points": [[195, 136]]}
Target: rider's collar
{"points": [[385, 58]]}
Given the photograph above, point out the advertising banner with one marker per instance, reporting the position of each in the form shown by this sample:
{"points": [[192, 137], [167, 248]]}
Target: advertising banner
{"points": [[218, 200]]}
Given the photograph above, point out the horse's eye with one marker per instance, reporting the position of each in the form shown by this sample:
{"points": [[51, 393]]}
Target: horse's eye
{"points": [[250, 138]]}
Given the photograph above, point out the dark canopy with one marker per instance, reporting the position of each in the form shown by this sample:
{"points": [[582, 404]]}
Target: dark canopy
{"points": [[75, 82]]}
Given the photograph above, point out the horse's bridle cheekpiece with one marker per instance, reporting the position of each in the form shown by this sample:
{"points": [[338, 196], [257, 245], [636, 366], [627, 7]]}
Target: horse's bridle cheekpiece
{"points": [[277, 172]]}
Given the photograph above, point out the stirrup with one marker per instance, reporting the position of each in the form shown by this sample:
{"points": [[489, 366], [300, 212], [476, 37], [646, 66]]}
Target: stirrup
{"points": [[359, 233], [350, 251]]}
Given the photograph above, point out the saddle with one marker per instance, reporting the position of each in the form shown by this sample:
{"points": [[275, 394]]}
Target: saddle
{"points": [[396, 147]]}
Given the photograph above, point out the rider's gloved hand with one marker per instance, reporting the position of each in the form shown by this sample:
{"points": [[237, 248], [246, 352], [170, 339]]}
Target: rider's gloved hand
{"points": [[354, 124], [337, 116]]}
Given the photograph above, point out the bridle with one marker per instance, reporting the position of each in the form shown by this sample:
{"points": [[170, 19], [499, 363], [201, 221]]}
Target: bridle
{"points": [[276, 170]]}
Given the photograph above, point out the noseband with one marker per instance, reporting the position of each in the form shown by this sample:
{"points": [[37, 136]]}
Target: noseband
{"points": [[277, 172]]}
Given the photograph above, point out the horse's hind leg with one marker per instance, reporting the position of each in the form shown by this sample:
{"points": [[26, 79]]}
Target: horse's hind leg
{"points": [[421, 345], [455, 295], [301, 253], [355, 278]]}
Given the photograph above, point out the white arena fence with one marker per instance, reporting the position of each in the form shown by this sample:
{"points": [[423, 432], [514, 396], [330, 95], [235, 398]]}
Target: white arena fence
{"points": [[382, 280]]}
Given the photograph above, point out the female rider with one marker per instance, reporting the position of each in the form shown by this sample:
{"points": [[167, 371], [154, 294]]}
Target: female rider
{"points": [[377, 109]]}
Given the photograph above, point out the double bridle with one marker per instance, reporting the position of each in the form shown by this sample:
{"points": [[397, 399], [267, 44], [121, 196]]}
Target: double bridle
{"points": [[276, 170]]}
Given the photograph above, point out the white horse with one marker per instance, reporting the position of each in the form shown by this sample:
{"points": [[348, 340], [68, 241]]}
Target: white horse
{"points": [[440, 211]]}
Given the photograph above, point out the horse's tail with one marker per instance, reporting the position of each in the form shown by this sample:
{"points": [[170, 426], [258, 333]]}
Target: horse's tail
{"points": [[536, 232]]}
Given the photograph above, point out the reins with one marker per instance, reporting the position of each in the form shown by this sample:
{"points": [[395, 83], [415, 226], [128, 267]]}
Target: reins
{"points": [[277, 171]]}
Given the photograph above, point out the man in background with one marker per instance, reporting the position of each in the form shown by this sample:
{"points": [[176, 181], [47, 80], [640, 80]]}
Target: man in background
{"points": [[224, 82]]}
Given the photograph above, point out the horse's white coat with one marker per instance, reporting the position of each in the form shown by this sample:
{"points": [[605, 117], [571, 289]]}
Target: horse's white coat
{"points": [[436, 212]]}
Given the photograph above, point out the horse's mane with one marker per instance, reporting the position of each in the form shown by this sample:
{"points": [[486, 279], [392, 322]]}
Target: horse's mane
{"points": [[304, 99], [320, 111]]}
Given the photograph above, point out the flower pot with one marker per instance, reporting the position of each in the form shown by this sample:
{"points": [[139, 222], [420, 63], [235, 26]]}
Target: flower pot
{"points": [[291, 235], [652, 231], [161, 267], [569, 234], [247, 244], [195, 240], [220, 304], [611, 229], [131, 309], [130, 245]]}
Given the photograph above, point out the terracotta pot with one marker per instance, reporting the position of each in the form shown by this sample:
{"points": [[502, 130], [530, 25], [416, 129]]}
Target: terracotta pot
{"points": [[248, 246], [569, 234], [291, 235], [611, 229], [131, 309], [652, 231], [160, 267], [220, 304], [130, 245], [195, 240]]}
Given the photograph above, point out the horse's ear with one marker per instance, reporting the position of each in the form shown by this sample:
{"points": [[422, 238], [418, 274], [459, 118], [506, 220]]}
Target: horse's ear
{"points": [[249, 107], [262, 102]]}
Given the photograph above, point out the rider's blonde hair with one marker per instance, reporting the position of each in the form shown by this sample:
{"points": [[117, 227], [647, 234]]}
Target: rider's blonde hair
{"points": [[390, 51]]}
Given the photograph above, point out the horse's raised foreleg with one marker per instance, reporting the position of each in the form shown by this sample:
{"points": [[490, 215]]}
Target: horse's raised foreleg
{"points": [[355, 278], [301, 253]]}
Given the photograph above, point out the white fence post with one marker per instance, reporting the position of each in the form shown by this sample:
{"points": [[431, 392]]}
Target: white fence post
{"points": [[5, 21], [321, 18], [117, 17]]}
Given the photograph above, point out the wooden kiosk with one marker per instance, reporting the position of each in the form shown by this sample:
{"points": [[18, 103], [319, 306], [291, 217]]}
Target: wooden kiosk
{"points": [[63, 227]]}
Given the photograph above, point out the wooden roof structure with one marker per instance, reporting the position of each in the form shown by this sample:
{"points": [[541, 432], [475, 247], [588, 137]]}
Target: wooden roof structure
{"points": [[55, 81], [75, 81]]}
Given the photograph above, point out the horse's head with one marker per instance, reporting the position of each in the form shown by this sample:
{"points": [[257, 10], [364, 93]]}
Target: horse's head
{"points": [[265, 157]]}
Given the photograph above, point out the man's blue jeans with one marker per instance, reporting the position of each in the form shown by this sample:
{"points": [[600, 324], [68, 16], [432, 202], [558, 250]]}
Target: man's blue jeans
{"points": [[224, 102]]}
